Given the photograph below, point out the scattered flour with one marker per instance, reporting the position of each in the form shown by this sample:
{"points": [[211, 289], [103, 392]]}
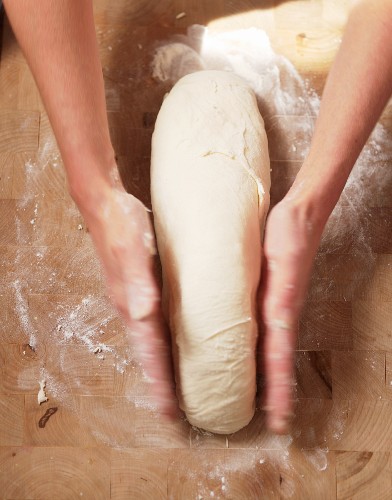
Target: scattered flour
{"points": [[22, 310], [144, 402], [84, 322]]}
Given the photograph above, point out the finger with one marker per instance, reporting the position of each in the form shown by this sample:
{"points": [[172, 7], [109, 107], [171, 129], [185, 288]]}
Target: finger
{"points": [[279, 347], [141, 227], [141, 290], [280, 307], [147, 335], [138, 299], [153, 352], [135, 301]]}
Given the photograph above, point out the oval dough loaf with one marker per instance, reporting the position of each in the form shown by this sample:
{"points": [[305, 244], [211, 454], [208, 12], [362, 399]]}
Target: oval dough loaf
{"points": [[210, 193]]}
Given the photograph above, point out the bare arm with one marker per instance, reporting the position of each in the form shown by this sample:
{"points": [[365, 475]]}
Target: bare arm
{"points": [[59, 42], [357, 89]]}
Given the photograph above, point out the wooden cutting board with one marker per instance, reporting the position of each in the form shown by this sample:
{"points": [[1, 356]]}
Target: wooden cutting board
{"points": [[98, 435]]}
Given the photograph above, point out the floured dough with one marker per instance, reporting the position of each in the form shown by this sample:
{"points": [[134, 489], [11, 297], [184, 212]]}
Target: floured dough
{"points": [[42, 398], [210, 193]]}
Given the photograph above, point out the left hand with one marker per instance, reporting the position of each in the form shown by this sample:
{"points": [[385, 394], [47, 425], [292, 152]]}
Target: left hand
{"points": [[123, 236]]}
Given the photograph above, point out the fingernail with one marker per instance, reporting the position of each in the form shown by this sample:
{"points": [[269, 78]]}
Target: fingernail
{"points": [[279, 424]]}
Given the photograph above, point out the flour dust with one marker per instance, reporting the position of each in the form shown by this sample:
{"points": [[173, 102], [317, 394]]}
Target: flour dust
{"points": [[62, 306]]}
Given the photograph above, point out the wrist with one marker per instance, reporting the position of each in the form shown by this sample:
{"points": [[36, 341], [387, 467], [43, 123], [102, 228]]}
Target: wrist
{"points": [[91, 185], [306, 201], [316, 190]]}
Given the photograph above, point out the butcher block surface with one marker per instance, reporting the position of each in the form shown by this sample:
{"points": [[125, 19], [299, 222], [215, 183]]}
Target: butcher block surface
{"points": [[98, 435]]}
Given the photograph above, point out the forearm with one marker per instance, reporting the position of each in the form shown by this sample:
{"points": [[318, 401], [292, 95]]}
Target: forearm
{"points": [[357, 89], [59, 43]]}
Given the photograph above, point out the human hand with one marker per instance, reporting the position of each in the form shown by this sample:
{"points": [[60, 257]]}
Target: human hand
{"points": [[123, 237], [292, 236]]}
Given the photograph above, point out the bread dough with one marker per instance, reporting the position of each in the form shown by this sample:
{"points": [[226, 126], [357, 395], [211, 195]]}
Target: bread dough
{"points": [[210, 180], [42, 398]]}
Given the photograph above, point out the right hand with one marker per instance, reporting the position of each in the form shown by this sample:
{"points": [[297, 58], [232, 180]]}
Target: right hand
{"points": [[123, 236], [292, 236]]}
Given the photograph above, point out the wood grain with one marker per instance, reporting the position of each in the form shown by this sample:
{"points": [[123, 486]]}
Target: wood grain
{"points": [[372, 425], [6, 175], [10, 328], [17, 88], [371, 325], [218, 474], [19, 130], [75, 319], [366, 368], [11, 420], [314, 374], [142, 13], [302, 473], [47, 473], [41, 262], [326, 325], [140, 473], [92, 374], [198, 12], [201, 439], [22, 367], [56, 422], [363, 475]]}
